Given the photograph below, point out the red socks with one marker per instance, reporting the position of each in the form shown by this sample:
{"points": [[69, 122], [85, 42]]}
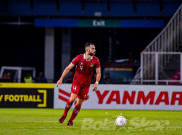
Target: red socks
{"points": [[67, 107], [75, 112]]}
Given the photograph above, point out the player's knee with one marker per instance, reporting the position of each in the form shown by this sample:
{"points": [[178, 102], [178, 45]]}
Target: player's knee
{"points": [[72, 100], [79, 104]]}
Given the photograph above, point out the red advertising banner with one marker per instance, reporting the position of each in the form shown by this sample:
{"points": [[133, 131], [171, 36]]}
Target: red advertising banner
{"points": [[140, 97]]}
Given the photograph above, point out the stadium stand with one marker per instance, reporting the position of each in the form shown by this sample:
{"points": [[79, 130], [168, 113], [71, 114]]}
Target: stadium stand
{"points": [[176, 77], [163, 51]]}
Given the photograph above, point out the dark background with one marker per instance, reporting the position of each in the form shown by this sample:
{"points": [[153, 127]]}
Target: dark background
{"points": [[24, 45]]}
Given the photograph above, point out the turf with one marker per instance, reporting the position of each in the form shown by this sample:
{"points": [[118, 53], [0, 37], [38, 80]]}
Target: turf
{"points": [[89, 122]]}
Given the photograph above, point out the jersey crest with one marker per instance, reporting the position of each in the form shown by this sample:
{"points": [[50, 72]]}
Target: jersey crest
{"points": [[91, 65]]}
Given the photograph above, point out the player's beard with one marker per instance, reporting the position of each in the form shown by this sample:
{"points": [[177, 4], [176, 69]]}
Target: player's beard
{"points": [[91, 54]]}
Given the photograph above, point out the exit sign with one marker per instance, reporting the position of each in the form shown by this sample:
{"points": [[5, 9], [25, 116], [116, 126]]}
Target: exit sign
{"points": [[98, 23]]}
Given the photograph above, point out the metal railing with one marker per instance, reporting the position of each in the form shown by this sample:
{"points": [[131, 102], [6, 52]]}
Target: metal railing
{"points": [[169, 41]]}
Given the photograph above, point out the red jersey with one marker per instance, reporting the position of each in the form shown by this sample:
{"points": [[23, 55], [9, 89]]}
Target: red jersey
{"points": [[84, 69]]}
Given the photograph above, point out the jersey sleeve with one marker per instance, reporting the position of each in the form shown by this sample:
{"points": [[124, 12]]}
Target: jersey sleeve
{"points": [[97, 66], [75, 60]]}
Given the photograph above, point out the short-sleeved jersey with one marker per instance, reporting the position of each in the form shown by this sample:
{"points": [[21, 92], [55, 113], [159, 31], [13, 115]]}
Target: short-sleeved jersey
{"points": [[84, 69]]}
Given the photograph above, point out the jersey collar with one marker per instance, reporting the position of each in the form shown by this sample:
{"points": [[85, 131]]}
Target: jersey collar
{"points": [[87, 59]]}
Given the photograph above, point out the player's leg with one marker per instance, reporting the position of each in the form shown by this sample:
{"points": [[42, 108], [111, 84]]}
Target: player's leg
{"points": [[69, 103], [75, 111], [67, 107], [74, 92], [82, 95]]}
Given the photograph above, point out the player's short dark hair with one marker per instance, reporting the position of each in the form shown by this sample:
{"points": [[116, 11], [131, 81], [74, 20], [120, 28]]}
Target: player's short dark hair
{"points": [[87, 44]]}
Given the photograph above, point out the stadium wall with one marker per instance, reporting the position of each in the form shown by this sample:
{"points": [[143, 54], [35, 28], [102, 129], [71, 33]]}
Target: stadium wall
{"points": [[134, 97]]}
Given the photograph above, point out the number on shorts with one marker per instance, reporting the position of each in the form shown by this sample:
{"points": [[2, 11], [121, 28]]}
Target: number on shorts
{"points": [[74, 87]]}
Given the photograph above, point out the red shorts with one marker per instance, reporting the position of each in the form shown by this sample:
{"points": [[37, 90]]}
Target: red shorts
{"points": [[81, 92]]}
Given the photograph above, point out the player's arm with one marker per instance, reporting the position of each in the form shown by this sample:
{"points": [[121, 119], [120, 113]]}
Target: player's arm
{"points": [[98, 76], [65, 72]]}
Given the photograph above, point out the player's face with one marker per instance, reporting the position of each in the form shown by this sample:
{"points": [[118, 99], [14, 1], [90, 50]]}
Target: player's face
{"points": [[92, 50]]}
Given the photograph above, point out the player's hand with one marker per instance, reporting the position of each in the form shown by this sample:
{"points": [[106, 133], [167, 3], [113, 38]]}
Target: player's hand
{"points": [[59, 82], [95, 86]]}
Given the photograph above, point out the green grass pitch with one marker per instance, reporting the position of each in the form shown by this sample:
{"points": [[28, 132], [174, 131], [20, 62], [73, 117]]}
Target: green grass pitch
{"points": [[89, 122]]}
